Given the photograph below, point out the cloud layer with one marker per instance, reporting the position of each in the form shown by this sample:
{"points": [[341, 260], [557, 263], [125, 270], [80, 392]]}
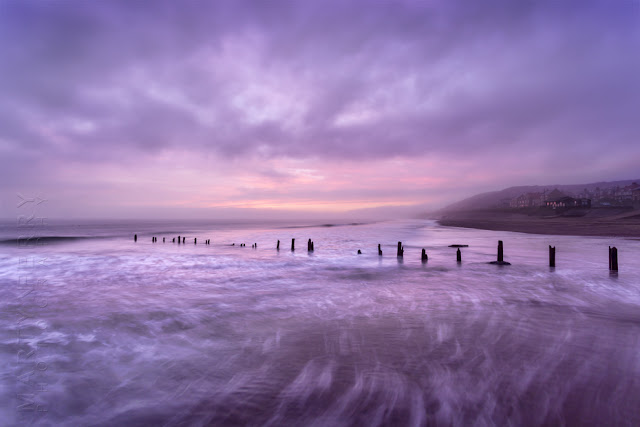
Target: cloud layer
{"points": [[275, 103]]}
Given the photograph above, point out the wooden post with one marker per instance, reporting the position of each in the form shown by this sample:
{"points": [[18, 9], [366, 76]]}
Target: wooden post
{"points": [[195, 240], [135, 237], [255, 246], [379, 250], [309, 245], [293, 245], [552, 256], [313, 248], [424, 258], [400, 249], [500, 260], [278, 245], [359, 252], [174, 240], [459, 256], [184, 239], [163, 240], [179, 240], [613, 259]]}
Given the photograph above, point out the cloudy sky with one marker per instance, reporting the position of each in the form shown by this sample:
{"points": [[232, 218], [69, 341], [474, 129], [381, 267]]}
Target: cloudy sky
{"points": [[148, 108]]}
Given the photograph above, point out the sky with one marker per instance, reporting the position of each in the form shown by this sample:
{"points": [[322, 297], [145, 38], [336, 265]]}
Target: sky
{"points": [[167, 109]]}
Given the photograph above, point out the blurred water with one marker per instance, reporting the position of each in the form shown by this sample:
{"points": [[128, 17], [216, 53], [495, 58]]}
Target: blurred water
{"points": [[124, 333]]}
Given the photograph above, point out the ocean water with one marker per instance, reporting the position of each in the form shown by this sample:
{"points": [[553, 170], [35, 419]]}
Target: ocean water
{"points": [[99, 330]]}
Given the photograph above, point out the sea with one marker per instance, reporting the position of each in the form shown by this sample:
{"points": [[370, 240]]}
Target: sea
{"points": [[101, 330]]}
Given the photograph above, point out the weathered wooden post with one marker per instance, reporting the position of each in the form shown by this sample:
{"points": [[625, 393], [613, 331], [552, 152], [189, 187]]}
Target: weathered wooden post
{"points": [[424, 257], [255, 246], [359, 252], [179, 240], [552, 256], [163, 240], [459, 256], [184, 239], [135, 237], [313, 248], [195, 240], [400, 249], [500, 260], [613, 258], [293, 245], [309, 245], [379, 250], [278, 246], [174, 240]]}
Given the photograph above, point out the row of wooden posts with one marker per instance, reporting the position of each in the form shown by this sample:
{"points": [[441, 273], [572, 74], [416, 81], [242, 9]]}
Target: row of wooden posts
{"points": [[613, 251]]}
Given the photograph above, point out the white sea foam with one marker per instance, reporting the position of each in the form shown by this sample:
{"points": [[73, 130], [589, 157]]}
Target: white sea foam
{"points": [[216, 334]]}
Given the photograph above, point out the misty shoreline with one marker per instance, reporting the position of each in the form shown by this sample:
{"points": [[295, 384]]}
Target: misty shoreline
{"points": [[616, 224]]}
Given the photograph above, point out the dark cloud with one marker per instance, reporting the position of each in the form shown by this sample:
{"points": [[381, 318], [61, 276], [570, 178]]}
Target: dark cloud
{"points": [[107, 81]]}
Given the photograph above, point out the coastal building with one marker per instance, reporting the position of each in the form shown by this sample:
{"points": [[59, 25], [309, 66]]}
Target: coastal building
{"points": [[528, 200], [568, 202], [558, 200], [624, 195]]}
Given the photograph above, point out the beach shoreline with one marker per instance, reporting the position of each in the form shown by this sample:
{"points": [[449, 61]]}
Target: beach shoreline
{"points": [[619, 225]]}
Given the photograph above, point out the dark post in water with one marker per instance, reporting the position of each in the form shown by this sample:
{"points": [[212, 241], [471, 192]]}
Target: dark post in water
{"points": [[552, 256], [400, 249], [500, 260], [135, 237], [613, 258], [278, 245], [379, 250], [459, 256], [293, 245], [425, 258]]}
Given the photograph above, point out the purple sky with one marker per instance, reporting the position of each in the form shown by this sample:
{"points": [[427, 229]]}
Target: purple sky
{"points": [[169, 109]]}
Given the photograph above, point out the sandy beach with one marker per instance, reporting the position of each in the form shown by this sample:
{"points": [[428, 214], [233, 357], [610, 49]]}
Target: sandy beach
{"points": [[594, 223]]}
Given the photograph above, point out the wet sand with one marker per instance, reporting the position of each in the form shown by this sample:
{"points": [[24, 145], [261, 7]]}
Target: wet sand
{"points": [[621, 225]]}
